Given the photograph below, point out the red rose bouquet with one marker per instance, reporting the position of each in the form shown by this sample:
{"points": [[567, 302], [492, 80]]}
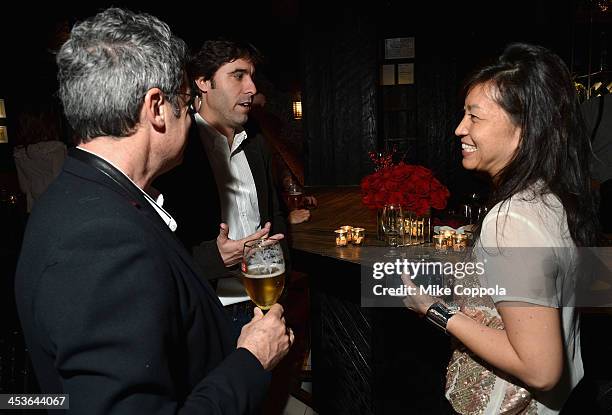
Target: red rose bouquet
{"points": [[413, 187]]}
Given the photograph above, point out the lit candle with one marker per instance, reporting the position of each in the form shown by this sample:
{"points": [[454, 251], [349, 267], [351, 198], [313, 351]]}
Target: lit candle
{"points": [[408, 231], [349, 232], [439, 242], [448, 235], [358, 235], [459, 242], [419, 231], [341, 239]]}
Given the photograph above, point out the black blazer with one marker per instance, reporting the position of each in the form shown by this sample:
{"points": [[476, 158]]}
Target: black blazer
{"points": [[192, 197], [114, 312]]}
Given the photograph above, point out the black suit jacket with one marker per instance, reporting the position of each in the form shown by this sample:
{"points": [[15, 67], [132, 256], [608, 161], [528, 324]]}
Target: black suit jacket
{"points": [[114, 312], [191, 196]]}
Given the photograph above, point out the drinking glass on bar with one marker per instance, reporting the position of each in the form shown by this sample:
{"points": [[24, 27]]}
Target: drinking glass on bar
{"points": [[392, 224], [466, 213], [263, 271], [295, 197]]}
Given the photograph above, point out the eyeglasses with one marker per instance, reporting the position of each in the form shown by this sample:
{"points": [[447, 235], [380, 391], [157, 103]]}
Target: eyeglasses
{"points": [[192, 104]]}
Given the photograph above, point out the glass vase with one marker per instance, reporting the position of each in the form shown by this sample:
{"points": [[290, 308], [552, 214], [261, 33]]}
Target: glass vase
{"points": [[417, 228]]}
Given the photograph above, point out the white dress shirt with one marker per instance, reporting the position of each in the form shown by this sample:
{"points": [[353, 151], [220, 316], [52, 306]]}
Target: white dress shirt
{"points": [[235, 183], [237, 196]]}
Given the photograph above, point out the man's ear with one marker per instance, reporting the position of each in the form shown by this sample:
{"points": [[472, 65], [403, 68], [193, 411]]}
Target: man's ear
{"points": [[203, 84], [154, 108]]}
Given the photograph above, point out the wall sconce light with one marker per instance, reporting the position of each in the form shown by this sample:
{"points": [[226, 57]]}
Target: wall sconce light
{"points": [[297, 110], [3, 132], [297, 104]]}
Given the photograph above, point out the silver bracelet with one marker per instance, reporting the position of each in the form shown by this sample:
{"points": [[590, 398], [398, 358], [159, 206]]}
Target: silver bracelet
{"points": [[438, 314]]}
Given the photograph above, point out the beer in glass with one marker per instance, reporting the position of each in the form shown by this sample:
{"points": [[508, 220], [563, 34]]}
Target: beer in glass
{"points": [[263, 271]]}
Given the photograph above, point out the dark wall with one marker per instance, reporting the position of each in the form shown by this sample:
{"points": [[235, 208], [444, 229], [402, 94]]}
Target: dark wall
{"points": [[28, 70], [339, 96], [341, 58], [332, 53]]}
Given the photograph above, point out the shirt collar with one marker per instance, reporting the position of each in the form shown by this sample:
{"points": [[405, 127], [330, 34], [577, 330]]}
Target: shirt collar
{"points": [[213, 132], [156, 203]]}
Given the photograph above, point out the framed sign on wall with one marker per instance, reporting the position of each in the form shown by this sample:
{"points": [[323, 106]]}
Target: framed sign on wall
{"points": [[399, 48]]}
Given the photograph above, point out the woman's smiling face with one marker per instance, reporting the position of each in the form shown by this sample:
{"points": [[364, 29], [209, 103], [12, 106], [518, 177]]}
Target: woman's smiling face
{"points": [[489, 139]]}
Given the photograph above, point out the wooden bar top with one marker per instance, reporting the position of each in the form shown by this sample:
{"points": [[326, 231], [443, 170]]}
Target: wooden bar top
{"points": [[337, 206]]}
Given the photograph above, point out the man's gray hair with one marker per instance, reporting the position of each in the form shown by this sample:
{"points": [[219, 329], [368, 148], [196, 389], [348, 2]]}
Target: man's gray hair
{"points": [[107, 66]]}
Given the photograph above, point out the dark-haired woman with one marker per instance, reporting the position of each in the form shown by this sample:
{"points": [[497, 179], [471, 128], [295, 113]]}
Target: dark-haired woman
{"points": [[522, 126]]}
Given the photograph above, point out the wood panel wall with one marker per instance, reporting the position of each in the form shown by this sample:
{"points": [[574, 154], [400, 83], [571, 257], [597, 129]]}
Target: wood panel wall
{"points": [[339, 97]]}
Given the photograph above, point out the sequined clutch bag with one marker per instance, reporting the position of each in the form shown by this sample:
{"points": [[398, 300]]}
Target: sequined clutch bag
{"points": [[473, 388]]}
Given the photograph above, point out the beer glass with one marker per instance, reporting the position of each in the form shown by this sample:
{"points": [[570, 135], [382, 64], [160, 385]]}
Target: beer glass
{"points": [[294, 197], [263, 271]]}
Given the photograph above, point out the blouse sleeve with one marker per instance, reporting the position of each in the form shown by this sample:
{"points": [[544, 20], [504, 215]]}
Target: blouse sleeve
{"points": [[519, 260]]}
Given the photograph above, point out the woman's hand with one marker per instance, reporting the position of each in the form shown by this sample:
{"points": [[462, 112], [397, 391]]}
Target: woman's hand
{"points": [[416, 302]]}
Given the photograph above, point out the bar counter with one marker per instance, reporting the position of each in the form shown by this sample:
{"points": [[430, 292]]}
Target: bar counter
{"points": [[337, 206], [364, 360]]}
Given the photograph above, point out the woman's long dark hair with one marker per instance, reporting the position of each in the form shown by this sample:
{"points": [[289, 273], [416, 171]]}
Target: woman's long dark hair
{"points": [[534, 87]]}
